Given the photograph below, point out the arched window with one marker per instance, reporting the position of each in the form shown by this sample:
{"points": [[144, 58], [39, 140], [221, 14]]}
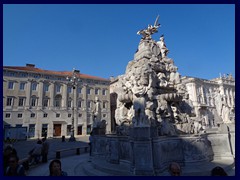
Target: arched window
{"points": [[58, 101]]}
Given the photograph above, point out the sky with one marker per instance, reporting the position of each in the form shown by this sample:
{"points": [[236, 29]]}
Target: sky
{"points": [[100, 40]]}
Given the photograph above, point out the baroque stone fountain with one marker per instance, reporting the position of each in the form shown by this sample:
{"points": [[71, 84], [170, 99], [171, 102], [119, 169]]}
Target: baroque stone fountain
{"points": [[155, 121]]}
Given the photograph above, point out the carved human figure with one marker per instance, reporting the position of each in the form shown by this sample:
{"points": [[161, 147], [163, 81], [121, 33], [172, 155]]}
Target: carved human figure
{"points": [[218, 102], [226, 113], [96, 112], [174, 75], [146, 33], [163, 47]]}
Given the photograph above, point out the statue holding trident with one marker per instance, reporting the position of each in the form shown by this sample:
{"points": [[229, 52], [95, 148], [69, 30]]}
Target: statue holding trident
{"points": [[146, 33]]}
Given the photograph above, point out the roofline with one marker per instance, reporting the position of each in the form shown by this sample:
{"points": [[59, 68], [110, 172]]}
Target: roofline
{"points": [[49, 72]]}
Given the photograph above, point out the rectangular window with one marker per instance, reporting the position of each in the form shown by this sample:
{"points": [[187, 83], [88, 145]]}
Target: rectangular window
{"points": [[89, 104], [34, 86], [33, 102], [69, 115], [104, 92], [79, 115], [88, 91], [10, 85], [79, 90], [21, 101], [58, 88], [57, 103], [96, 91], [45, 115], [45, 102], [104, 105], [57, 115], [9, 101], [20, 115], [45, 87], [22, 86], [79, 104], [69, 89], [32, 115], [69, 103], [8, 115]]}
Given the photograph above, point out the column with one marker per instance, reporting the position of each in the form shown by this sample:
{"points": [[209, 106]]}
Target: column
{"points": [[65, 96], [75, 110], [52, 92], [40, 95], [28, 94]]}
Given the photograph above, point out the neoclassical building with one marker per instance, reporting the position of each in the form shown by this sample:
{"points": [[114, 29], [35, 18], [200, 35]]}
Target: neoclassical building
{"points": [[45, 101], [213, 100]]}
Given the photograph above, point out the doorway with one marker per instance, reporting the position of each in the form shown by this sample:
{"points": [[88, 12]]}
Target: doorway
{"points": [[57, 130], [79, 130]]}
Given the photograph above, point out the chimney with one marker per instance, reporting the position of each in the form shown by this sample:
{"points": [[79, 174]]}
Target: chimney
{"points": [[30, 65]]}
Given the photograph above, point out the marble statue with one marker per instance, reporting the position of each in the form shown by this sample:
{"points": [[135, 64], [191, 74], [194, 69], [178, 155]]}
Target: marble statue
{"points": [[163, 48], [146, 33], [151, 94]]}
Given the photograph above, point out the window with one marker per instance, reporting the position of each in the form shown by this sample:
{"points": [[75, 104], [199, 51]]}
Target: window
{"points": [[58, 100], [79, 115], [69, 103], [104, 105], [104, 92], [10, 85], [79, 90], [21, 101], [57, 115], [33, 101], [89, 104], [58, 88], [79, 104], [32, 115], [45, 115], [69, 115], [34, 86], [45, 102], [69, 89], [45, 87], [9, 101], [8, 115], [23, 74], [96, 91], [20, 115], [88, 91], [22, 86], [11, 74]]}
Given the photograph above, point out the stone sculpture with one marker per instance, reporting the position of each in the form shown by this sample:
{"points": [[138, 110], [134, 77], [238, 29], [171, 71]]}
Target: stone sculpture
{"points": [[151, 92]]}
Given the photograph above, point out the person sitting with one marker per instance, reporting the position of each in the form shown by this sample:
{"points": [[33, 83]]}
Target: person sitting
{"points": [[14, 169], [35, 153], [55, 168], [175, 169], [218, 171]]}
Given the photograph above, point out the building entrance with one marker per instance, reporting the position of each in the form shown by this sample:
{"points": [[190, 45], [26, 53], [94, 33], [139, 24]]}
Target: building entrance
{"points": [[57, 130]]}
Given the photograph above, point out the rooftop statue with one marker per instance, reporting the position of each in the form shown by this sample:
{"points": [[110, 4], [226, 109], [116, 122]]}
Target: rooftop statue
{"points": [[146, 33]]}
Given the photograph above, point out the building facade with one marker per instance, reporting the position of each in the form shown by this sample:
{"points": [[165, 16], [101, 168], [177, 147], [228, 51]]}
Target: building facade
{"points": [[46, 101], [213, 100]]}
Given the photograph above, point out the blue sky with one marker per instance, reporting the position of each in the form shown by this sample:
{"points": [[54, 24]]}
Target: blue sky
{"points": [[100, 40]]}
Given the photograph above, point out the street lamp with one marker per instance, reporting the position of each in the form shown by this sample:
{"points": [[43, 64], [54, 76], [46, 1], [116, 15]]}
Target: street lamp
{"points": [[73, 81]]}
